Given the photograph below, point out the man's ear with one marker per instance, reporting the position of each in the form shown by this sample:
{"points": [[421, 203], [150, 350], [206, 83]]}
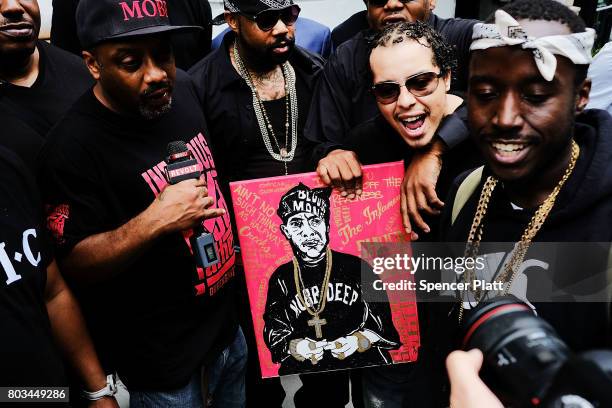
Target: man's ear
{"points": [[448, 77], [232, 21], [283, 229], [432, 4], [582, 96], [92, 64]]}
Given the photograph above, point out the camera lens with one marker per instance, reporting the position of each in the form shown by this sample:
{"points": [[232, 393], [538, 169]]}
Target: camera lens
{"points": [[522, 352]]}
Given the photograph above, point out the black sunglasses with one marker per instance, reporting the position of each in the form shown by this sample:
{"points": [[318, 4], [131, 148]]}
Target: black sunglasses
{"points": [[267, 19], [423, 84], [381, 3]]}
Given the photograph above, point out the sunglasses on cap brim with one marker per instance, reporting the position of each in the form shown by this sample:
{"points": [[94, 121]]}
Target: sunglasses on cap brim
{"points": [[381, 3], [267, 19], [419, 85]]}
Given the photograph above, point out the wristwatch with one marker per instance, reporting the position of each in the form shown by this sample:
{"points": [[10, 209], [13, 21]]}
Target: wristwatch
{"points": [[363, 343], [108, 391]]}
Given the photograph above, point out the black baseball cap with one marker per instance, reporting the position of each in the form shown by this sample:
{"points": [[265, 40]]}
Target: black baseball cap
{"points": [[103, 20], [250, 7]]}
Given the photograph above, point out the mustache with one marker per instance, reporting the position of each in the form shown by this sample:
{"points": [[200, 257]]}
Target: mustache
{"points": [[155, 87], [493, 135], [283, 41], [15, 20]]}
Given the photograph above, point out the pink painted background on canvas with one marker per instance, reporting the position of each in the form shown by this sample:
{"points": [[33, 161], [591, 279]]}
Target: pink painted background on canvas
{"points": [[374, 217]]}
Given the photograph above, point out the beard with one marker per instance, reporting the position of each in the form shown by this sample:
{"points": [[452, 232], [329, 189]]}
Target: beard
{"points": [[154, 112], [149, 110]]}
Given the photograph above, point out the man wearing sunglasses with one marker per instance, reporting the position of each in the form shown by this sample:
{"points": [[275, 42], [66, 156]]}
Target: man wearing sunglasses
{"points": [[411, 67], [343, 100], [256, 90], [261, 83]]}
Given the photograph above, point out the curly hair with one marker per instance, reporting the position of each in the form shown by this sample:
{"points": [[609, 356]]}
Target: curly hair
{"points": [[443, 53]]}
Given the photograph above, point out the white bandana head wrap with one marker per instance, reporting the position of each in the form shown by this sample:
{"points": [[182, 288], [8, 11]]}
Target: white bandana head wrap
{"points": [[507, 32]]}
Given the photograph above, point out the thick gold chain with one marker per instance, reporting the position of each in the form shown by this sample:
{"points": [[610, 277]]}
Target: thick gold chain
{"points": [[520, 250], [297, 277]]}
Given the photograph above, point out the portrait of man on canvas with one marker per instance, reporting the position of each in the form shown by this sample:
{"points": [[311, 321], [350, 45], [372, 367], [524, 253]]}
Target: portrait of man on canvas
{"points": [[315, 317]]}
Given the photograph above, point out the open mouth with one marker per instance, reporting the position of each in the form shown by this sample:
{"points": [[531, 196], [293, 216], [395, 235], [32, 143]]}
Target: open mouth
{"points": [[281, 48], [414, 125], [159, 94], [312, 243], [158, 99], [509, 152], [393, 18]]}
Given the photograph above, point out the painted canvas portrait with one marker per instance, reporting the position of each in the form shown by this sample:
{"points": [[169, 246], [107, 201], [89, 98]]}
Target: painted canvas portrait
{"points": [[301, 245]]}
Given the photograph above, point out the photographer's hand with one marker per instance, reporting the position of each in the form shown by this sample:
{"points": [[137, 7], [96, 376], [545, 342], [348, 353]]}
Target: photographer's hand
{"points": [[467, 389]]}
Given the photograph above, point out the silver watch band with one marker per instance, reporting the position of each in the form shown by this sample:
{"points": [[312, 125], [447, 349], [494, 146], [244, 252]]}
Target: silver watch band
{"points": [[108, 391]]}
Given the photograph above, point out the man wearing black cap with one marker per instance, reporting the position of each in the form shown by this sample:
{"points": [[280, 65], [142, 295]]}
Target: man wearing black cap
{"points": [[165, 324], [188, 48], [38, 82], [256, 90], [316, 318]]}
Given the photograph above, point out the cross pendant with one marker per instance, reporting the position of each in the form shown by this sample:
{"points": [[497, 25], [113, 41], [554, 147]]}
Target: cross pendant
{"points": [[317, 323]]}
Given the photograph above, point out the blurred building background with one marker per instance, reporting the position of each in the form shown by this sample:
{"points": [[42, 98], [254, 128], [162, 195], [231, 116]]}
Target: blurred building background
{"points": [[333, 12], [596, 13]]}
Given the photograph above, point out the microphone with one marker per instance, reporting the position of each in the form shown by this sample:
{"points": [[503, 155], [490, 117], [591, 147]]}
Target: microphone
{"points": [[180, 166]]}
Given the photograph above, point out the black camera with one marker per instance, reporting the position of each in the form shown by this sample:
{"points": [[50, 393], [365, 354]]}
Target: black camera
{"points": [[526, 364]]}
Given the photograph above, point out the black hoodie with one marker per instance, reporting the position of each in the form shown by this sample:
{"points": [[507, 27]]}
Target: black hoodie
{"points": [[582, 213]]}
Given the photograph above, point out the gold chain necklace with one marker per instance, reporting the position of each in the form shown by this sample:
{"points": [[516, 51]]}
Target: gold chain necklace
{"points": [[520, 249], [297, 277]]}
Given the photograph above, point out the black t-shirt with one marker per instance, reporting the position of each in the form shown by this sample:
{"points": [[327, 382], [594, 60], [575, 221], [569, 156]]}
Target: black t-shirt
{"points": [[100, 170], [345, 311], [62, 78], [28, 355], [188, 48], [20, 138]]}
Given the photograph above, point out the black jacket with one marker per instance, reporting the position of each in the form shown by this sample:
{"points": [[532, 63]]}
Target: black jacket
{"points": [[582, 213], [228, 105], [461, 155], [349, 28], [342, 99]]}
